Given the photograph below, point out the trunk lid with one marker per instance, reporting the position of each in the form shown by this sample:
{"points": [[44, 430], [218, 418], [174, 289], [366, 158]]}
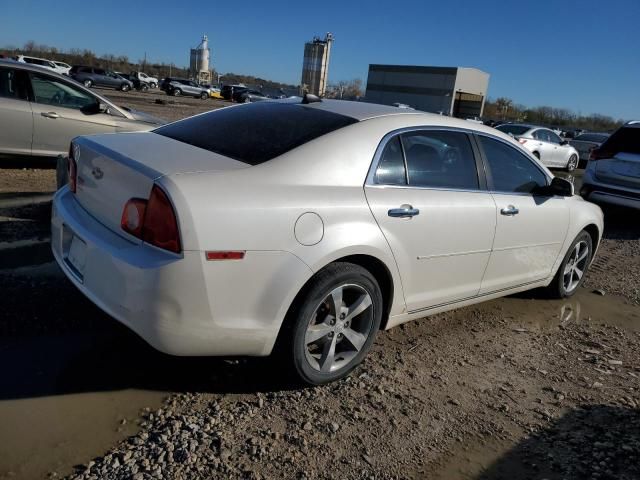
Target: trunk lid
{"points": [[114, 168]]}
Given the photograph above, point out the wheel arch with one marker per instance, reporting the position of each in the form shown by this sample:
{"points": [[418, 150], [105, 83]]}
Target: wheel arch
{"points": [[594, 232]]}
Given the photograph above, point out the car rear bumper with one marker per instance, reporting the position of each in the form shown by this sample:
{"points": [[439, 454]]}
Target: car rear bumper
{"points": [[599, 192], [181, 305]]}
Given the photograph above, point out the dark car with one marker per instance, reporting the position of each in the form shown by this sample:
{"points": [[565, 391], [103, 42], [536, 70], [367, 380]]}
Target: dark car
{"points": [[228, 91], [247, 96], [182, 86], [137, 84], [94, 76], [587, 142]]}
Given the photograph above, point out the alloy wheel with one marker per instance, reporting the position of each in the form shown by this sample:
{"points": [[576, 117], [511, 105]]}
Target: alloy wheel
{"points": [[573, 163], [339, 328], [576, 266]]}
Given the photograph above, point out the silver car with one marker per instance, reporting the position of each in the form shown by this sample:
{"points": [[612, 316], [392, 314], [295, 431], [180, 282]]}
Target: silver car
{"points": [[613, 172], [41, 111], [586, 142], [544, 144]]}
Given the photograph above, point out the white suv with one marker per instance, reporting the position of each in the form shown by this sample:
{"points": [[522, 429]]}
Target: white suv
{"points": [[58, 67]]}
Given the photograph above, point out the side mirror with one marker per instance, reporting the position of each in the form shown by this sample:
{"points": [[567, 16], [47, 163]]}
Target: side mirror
{"points": [[560, 187], [94, 108]]}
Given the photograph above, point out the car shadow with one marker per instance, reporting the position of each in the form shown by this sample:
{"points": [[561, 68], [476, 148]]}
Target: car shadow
{"points": [[53, 341], [595, 441], [621, 223]]}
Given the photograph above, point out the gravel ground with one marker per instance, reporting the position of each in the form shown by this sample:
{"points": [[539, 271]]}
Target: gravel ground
{"points": [[515, 388]]}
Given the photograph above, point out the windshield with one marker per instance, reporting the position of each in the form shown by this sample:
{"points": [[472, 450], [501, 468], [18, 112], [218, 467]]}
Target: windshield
{"points": [[625, 139], [257, 132], [514, 129]]}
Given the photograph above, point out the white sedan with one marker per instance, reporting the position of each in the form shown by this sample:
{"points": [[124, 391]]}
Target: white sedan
{"points": [[545, 144], [303, 228]]}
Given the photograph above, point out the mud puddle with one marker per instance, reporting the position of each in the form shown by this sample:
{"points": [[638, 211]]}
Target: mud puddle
{"points": [[526, 312]]}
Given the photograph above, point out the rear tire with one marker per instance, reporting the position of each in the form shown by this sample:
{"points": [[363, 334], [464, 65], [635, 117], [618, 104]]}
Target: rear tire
{"points": [[87, 83], [177, 92], [125, 87], [204, 95], [572, 164], [571, 273], [332, 324], [153, 85]]}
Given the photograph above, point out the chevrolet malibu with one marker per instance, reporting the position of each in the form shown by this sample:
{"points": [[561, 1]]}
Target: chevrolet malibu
{"points": [[301, 228]]}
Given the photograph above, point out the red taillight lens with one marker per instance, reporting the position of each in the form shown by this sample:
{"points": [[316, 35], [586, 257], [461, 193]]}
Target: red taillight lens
{"points": [[73, 171], [522, 140], [598, 154], [154, 220], [160, 226], [132, 219]]}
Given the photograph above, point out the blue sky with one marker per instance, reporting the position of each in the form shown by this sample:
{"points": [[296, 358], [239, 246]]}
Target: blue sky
{"points": [[583, 55]]}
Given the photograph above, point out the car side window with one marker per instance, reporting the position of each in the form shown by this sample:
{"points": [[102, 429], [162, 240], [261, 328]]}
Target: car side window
{"points": [[440, 159], [50, 91], [390, 169], [99, 71], [509, 169], [11, 85], [553, 138]]}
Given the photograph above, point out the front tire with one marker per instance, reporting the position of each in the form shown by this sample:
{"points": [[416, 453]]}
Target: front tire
{"points": [[572, 164], [332, 324], [204, 95], [87, 83], [125, 87], [177, 92], [572, 270]]}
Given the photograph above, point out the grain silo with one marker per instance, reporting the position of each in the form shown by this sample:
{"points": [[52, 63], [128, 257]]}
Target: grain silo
{"points": [[199, 62], [315, 66]]}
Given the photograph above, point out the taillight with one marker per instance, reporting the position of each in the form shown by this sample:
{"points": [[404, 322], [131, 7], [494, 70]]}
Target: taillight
{"points": [[598, 154], [73, 171], [522, 140], [153, 221]]}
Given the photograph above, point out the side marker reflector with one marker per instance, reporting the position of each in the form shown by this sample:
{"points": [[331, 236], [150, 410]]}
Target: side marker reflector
{"points": [[230, 255]]}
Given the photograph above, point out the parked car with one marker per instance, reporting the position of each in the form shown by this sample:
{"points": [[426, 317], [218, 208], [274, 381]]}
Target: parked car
{"points": [[63, 68], [99, 77], [227, 91], [215, 93], [544, 144], [58, 67], [613, 173], [262, 238], [41, 111], [135, 81], [144, 78], [586, 142], [182, 86], [248, 96]]}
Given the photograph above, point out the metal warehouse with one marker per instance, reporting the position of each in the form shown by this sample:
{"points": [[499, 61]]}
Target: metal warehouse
{"points": [[456, 91]]}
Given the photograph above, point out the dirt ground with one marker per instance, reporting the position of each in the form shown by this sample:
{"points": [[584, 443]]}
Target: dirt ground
{"points": [[516, 388]]}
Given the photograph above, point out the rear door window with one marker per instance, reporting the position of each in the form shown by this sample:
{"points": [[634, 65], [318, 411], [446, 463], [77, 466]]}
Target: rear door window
{"points": [[12, 84], [440, 159], [391, 169]]}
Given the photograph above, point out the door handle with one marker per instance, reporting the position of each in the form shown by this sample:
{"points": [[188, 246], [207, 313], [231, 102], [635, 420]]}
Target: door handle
{"points": [[50, 114], [405, 211], [509, 210]]}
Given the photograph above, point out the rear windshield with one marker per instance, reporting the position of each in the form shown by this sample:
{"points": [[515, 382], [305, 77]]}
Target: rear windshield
{"points": [[514, 129], [625, 139], [257, 132]]}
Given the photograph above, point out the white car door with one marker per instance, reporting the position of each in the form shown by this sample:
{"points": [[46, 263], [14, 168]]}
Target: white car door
{"points": [[561, 152], [545, 148], [59, 114], [16, 117], [434, 210], [530, 229]]}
